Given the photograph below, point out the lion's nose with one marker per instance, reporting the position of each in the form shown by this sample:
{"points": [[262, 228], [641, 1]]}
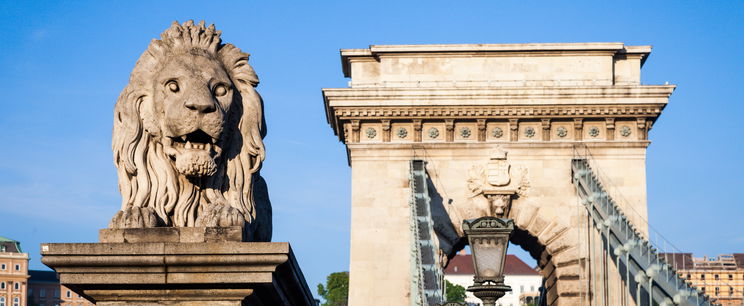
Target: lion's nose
{"points": [[201, 105]]}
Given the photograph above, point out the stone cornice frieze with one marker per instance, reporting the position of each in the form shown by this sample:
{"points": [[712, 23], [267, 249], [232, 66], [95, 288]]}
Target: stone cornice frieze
{"points": [[385, 96], [518, 112], [477, 112]]}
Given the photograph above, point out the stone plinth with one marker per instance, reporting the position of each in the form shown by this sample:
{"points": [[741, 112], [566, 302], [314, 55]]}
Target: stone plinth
{"points": [[188, 266]]}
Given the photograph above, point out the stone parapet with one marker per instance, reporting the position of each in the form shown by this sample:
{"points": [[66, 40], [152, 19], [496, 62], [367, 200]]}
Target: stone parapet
{"points": [[180, 273]]}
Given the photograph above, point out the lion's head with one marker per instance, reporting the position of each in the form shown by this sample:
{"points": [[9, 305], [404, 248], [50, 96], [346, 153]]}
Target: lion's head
{"points": [[188, 130]]}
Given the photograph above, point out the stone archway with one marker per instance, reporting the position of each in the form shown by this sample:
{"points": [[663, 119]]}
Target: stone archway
{"points": [[553, 240], [557, 253]]}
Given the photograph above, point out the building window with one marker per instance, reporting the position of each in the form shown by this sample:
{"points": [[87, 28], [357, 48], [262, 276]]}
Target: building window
{"points": [[16, 301], [702, 289], [2, 301], [18, 267], [16, 286], [2, 285], [42, 292], [715, 276], [702, 276], [717, 291], [69, 294], [56, 293], [2, 267], [521, 288], [731, 277], [689, 276], [731, 291]]}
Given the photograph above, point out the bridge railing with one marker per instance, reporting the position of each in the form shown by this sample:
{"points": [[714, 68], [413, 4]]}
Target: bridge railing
{"points": [[427, 275], [648, 276]]}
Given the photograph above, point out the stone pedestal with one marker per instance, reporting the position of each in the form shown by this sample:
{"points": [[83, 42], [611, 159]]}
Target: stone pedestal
{"points": [[179, 266]]}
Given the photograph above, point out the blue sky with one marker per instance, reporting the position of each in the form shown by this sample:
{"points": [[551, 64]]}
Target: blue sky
{"points": [[64, 64]]}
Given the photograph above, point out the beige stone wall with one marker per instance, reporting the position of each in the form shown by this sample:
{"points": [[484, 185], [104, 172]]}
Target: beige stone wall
{"points": [[380, 239], [516, 64], [380, 236]]}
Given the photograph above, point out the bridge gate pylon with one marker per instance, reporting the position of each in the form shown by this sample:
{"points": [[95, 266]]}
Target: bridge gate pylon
{"points": [[496, 129]]}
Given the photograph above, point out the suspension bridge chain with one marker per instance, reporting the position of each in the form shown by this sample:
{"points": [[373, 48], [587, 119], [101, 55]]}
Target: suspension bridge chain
{"points": [[649, 278], [428, 275]]}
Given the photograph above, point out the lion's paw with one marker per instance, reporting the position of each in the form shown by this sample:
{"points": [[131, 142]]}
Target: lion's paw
{"points": [[220, 216], [134, 217]]}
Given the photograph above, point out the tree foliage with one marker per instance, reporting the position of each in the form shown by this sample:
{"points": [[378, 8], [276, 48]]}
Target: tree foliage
{"points": [[455, 293], [336, 290]]}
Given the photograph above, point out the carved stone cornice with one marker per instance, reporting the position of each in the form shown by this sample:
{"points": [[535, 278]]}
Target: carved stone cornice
{"points": [[483, 106], [502, 111], [495, 95]]}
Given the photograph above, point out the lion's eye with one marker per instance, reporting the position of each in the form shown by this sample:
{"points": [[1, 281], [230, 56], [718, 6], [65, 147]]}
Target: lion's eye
{"points": [[172, 86], [220, 90]]}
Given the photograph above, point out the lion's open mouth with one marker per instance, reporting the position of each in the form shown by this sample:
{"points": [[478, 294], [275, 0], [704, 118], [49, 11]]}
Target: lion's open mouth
{"points": [[195, 140], [194, 153]]}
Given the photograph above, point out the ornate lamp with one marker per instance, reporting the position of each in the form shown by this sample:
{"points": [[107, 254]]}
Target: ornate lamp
{"points": [[488, 238]]}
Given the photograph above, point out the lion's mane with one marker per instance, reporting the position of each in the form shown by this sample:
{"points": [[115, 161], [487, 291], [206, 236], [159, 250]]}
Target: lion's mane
{"points": [[147, 177]]}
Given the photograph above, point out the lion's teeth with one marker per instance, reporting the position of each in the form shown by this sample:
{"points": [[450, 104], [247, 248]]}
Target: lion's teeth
{"points": [[208, 147], [183, 137], [189, 145]]}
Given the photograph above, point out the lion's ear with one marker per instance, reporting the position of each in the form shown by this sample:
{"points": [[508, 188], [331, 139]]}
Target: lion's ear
{"points": [[236, 62]]}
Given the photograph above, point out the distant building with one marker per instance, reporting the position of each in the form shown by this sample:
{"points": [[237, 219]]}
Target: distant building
{"points": [[721, 277], [524, 280], [44, 289], [13, 273]]}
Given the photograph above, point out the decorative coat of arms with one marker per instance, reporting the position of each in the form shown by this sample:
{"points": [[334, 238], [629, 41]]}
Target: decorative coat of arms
{"points": [[498, 168], [495, 183]]}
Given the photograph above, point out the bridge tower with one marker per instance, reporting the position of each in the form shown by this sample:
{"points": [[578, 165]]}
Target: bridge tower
{"points": [[495, 128]]}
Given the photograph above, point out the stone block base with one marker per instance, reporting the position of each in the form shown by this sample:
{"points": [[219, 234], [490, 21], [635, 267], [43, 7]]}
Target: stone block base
{"points": [[172, 234], [179, 273]]}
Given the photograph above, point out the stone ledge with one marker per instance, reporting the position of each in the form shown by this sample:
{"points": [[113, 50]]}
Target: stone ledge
{"points": [[194, 273], [172, 234]]}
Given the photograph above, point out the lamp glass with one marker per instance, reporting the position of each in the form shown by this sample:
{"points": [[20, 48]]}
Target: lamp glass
{"points": [[489, 254]]}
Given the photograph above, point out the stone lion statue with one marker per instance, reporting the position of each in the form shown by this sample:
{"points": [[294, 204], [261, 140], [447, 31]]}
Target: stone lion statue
{"points": [[188, 137]]}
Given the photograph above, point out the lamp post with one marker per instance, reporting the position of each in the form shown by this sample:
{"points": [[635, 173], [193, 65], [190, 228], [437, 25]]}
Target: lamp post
{"points": [[488, 238]]}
